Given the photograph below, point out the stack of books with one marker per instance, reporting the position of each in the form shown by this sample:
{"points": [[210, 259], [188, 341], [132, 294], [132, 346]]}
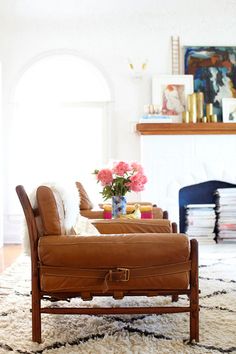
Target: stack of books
{"points": [[200, 221], [226, 213], [156, 118]]}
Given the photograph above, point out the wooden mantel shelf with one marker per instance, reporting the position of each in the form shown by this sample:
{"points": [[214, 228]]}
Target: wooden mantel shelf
{"points": [[185, 128]]}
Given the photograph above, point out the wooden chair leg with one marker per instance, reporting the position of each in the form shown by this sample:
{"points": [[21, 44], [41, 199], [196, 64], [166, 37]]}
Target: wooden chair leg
{"points": [[175, 298], [36, 318], [36, 307], [194, 326], [194, 294]]}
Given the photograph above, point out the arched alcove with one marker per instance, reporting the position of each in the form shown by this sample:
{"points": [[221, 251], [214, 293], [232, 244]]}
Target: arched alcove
{"points": [[60, 126], [62, 77]]}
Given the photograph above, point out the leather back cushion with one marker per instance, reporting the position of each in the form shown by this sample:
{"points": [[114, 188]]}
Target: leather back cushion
{"points": [[51, 211], [85, 202]]}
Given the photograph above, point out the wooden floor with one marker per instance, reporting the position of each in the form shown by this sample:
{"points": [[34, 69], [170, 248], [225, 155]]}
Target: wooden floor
{"points": [[8, 254]]}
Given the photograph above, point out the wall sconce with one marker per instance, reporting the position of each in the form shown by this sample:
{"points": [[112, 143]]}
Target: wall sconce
{"points": [[137, 68]]}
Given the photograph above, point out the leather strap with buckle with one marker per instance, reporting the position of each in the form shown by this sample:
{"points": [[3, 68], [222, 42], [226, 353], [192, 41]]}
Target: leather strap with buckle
{"points": [[118, 274]]}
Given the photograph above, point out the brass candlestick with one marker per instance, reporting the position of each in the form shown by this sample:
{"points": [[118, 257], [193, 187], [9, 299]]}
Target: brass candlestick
{"points": [[200, 100], [185, 117], [214, 118], [209, 111], [192, 108]]}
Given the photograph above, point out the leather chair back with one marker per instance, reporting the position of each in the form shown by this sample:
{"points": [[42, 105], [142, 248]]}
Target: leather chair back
{"points": [[51, 212]]}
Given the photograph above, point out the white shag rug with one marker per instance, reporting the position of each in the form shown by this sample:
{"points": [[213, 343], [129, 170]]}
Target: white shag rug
{"points": [[123, 334]]}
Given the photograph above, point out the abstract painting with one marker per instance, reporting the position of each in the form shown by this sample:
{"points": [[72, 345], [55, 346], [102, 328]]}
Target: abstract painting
{"points": [[214, 71]]}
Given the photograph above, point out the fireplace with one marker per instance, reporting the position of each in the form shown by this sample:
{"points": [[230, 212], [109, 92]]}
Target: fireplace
{"points": [[173, 162]]}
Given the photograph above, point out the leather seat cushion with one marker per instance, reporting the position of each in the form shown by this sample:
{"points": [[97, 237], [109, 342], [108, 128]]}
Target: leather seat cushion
{"points": [[63, 258]]}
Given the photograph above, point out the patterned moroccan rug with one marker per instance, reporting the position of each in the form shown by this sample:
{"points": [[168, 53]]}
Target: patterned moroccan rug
{"points": [[125, 334]]}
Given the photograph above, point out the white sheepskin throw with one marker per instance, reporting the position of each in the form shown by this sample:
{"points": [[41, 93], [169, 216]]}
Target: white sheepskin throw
{"points": [[74, 222]]}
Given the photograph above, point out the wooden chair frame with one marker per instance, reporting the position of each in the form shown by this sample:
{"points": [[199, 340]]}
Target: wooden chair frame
{"points": [[37, 295]]}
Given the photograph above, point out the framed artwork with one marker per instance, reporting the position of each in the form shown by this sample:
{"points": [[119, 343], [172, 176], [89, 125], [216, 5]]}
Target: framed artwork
{"points": [[229, 110], [214, 71], [169, 93]]}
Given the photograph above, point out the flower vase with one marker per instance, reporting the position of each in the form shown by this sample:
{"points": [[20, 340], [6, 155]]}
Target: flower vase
{"points": [[118, 206]]}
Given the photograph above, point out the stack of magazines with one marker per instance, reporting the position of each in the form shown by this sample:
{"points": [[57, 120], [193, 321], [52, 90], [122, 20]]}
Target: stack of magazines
{"points": [[226, 211], [200, 221]]}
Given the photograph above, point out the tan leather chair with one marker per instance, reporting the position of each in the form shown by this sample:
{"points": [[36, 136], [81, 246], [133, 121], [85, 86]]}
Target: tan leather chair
{"points": [[138, 264]]}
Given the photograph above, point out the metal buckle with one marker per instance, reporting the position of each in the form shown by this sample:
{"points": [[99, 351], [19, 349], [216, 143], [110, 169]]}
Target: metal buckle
{"points": [[115, 274], [126, 273]]}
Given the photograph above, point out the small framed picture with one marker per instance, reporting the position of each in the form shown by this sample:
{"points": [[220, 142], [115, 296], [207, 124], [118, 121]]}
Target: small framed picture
{"points": [[229, 110], [169, 93]]}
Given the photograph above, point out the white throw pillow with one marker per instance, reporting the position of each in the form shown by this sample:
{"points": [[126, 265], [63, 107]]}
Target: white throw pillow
{"points": [[84, 227]]}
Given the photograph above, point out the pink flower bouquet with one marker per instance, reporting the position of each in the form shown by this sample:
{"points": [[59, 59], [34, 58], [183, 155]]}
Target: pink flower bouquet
{"points": [[122, 178]]}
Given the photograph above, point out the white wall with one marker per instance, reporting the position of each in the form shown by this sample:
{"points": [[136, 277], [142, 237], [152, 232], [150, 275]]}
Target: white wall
{"points": [[1, 164], [107, 32]]}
